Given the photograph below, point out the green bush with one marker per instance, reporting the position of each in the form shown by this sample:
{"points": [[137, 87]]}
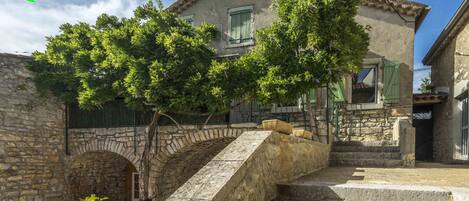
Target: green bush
{"points": [[94, 197]]}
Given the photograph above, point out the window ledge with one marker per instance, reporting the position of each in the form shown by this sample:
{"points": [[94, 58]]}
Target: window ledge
{"points": [[365, 106], [246, 44]]}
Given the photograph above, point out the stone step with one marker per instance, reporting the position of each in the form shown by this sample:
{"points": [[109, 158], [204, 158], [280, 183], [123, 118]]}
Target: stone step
{"points": [[364, 155], [319, 191], [336, 148], [366, 162]]}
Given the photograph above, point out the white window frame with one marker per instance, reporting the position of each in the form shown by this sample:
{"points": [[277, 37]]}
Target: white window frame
{"points": [[133, 186], [248, 43], [189, 17], [378, 104]]}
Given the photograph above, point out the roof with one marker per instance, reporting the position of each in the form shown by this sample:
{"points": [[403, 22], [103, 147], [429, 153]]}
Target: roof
{"points": [[428, 99], [449, 32], [404, 7]]}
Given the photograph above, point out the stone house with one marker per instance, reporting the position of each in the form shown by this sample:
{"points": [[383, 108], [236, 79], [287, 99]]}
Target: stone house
{"points": [[449, 61], [369, 102]]}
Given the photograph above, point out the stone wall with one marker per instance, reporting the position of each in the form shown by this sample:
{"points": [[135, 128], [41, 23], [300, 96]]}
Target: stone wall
{"points": [[182, 152], [250, 167], [102, 173], [31, 137]]}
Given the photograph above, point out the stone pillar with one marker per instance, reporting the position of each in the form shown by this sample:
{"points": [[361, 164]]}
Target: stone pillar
{"points": [[406, 141]]}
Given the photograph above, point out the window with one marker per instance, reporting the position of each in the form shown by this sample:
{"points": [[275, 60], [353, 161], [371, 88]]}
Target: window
{"points": [[464, 127], [189, 19], [365, 85], [240, 23]]}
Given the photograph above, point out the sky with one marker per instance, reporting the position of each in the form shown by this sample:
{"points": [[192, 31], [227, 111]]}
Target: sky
{"points": [[24, 26]]}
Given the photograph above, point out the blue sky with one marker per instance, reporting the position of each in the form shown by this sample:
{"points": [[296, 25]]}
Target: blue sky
{"points": [[24, 26], [439, 15]]}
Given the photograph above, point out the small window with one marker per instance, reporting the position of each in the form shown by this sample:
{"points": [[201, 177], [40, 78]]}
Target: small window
{"points": [[240, 21], [189, 19], [365, 85]]}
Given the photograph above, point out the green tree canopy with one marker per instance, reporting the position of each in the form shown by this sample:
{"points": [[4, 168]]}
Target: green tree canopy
{"points": [[151, 58], [312, 42]]}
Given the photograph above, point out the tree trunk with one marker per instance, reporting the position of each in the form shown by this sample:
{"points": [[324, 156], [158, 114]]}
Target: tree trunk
{"points": [[146, 156]]}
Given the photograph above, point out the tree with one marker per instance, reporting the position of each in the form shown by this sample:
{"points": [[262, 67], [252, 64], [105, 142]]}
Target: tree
{"points": [[425, 85], [312, 43], [152, 58]]}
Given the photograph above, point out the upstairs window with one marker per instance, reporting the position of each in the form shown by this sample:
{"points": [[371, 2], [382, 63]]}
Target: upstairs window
{"points": [[189, 19], [240, 22], [365, 85]]}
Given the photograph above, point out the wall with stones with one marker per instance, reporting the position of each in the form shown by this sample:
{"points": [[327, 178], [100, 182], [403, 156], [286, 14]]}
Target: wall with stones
{"points": [[250, 167], [182, 152], [31, 137], [102, 173]]}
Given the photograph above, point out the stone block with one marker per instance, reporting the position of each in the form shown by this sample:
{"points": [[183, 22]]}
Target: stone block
{"points": [[277, 125], [303, 134]]}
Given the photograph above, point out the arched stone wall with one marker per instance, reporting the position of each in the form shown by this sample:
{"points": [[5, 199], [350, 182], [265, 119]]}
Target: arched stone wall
{"points": [[103, 173], [181, 153], [182, 156]]}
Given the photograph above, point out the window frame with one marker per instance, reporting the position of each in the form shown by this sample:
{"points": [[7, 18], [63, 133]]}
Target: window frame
{"points": [[134, 196], [238, 9], [378, 104], [188, 17]]}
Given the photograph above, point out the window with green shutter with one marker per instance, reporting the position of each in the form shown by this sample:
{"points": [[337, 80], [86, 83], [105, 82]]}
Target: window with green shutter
{"points": [[240, 25], [391, 81], [338, 91]]}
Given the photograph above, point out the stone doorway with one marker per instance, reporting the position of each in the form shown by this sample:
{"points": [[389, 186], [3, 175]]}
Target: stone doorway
{"points": [[105, 174]]}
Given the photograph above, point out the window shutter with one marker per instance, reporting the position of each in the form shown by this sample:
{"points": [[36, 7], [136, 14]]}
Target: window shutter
{"points": [[391, 81], [312, 96], [246, 27], [235, 28], [338, 91]]}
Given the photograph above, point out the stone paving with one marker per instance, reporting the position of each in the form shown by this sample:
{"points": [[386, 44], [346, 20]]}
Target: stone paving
{"points": [[425, 174]]}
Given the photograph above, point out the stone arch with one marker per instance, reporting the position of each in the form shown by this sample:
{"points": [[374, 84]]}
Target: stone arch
{"points": [[95, 145], [101, 172], [182, 156]]}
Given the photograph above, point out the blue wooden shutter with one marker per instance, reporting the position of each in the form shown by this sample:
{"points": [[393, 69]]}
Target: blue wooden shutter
{"points": [[391, 81]]}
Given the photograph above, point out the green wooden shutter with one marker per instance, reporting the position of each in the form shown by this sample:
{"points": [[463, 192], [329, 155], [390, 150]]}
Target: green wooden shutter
{"points": [[246, 27], [338, 91], [312, 96], [391, 81], [235, 28]]}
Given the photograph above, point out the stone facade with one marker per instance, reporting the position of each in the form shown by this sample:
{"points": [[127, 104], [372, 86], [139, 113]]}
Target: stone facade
{"points": [[450, 75], [31, 137], [391, 38], [251, 166], [181, 154]]}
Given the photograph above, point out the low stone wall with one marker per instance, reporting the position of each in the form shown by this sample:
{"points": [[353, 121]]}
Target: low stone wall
{"points": [[250, 167]]}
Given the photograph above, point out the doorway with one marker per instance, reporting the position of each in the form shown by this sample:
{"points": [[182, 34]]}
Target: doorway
{"points": [[422, 120]]}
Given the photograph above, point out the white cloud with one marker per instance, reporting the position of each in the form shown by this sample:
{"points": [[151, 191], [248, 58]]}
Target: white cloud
{"points": [[24, 26]]}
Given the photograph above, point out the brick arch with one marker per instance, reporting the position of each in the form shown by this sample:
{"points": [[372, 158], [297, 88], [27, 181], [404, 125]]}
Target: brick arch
{"points": [[182, 156], [107, 145]]}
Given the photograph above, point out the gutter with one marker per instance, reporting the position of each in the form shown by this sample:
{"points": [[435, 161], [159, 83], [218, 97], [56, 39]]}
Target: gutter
{"points": [[442, 39]]}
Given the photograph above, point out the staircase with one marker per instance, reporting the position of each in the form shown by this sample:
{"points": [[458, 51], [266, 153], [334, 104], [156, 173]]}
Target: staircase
{"points": [[365, 154]]}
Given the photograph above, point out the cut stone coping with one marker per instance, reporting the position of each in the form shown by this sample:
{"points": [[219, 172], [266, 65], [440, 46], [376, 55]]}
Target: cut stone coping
{"points": [[359, 192], [250, 167]]}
